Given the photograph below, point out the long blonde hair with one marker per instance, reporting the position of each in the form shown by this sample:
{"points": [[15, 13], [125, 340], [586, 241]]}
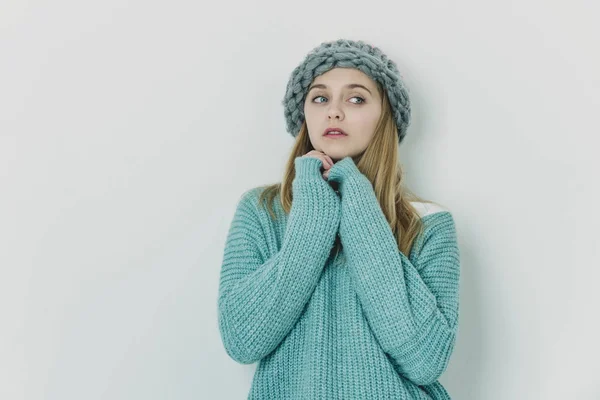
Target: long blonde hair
{"points": [[379, 163]]}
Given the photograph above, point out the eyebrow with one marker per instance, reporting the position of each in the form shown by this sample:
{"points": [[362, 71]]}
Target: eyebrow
{"points": [[350, 86]]}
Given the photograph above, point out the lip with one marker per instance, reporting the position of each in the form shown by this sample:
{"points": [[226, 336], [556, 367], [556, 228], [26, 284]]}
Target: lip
{"points": [[334, 129]]}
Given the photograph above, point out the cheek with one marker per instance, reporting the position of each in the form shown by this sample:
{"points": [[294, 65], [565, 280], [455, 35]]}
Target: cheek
{"points": [[371, 122], [365, 123], [367, 129], [310, 116]]}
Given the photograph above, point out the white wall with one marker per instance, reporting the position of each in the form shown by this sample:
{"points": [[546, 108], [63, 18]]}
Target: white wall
{"points": [[128, 131]]}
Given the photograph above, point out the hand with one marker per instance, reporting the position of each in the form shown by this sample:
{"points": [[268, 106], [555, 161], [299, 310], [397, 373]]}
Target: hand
{"points": [[342, 171], [327, 161]]}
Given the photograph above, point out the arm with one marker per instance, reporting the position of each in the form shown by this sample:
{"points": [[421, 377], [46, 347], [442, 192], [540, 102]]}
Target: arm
{"points": [[261, 300], [412, 309]]}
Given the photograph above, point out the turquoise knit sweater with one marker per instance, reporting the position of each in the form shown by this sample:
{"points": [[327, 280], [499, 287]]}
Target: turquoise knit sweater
{"points": [[367, 323]]}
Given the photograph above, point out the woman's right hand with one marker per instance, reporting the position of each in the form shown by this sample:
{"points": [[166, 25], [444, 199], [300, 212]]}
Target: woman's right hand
{"points": [[325, 159]]}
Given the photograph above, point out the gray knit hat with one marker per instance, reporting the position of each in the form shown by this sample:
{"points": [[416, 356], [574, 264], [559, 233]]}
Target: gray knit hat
{"points": [[346, 54]]}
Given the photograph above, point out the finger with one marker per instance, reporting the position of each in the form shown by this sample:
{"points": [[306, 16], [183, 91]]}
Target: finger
{"points": [[326, 163], [320, 156], [326, 160]]}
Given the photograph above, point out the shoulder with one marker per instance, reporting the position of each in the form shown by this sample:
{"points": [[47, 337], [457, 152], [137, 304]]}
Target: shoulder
{"points": [[247, 217], [439, 227], [424, 209], [251, 194], [250, 198], [436, 218]]}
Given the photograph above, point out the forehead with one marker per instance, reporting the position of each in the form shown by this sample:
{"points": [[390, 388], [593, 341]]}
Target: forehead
{"points": [[342, 76]]}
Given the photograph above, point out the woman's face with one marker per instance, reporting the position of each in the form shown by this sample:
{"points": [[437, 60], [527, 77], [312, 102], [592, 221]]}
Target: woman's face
{"points": [[343, 98]]}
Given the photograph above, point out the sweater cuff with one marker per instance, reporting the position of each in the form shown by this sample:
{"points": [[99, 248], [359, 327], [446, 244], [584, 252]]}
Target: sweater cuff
{"points": [[344, 170], [308, 168]]}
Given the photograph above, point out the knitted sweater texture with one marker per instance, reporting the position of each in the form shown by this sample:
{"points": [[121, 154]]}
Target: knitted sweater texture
{"points": [[368, 322]]}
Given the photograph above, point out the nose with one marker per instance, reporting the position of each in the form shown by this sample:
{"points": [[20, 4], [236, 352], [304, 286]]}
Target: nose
{"points": [[335, 112]]}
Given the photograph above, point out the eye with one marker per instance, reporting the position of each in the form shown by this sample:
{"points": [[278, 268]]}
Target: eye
{"points": [[354, 97], [361, 99]]}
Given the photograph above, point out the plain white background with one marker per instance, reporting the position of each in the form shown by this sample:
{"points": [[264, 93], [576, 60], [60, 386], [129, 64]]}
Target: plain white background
{"points": [[129, 130]]}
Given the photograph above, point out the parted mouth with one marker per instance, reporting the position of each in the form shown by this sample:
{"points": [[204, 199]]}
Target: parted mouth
{"points": [[333, 131]]}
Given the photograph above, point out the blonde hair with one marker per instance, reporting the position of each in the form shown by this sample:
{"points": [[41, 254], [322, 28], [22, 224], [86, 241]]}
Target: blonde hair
{"points": [[379, 163]]}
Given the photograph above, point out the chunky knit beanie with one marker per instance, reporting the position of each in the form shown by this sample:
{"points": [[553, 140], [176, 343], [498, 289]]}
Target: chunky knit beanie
{"points": [[344, 53]]}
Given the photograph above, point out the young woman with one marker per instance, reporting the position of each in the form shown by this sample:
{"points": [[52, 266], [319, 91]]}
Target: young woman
{"points": [[339, 281]]}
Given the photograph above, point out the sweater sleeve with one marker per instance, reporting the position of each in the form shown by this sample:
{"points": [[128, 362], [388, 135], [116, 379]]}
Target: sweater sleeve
{"points": [[261, 300], [412, 309]]}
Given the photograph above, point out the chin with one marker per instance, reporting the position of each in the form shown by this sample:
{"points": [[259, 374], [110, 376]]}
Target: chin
{"points": [[335, 157], [335, 154]]}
